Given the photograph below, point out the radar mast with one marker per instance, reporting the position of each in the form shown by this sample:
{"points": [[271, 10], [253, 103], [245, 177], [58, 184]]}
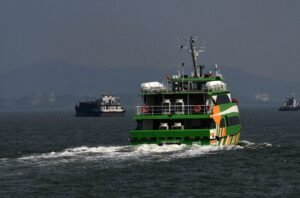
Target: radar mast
{"points": [[195, 51]]}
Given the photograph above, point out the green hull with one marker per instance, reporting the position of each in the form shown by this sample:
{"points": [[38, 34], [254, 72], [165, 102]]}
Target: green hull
{"points": [[226, 133], [199, 137]]}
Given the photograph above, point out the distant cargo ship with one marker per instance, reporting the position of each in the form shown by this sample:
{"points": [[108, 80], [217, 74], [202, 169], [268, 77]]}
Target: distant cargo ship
{"points": [[107, 105], [290, 104]]}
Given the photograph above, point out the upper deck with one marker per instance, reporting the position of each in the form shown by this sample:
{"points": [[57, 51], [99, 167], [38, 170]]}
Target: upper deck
{"points": [[187, 85], [195, 79]]}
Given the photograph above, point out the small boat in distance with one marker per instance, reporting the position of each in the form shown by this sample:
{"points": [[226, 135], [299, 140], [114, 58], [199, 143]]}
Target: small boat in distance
{"points": [[290, 104], [107, 105]]}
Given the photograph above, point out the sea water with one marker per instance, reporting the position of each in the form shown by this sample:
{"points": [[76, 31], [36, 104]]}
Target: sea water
{"points": [[54, 154]]}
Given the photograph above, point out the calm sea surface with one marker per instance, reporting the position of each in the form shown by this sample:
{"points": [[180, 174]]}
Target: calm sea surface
{"points": [[54, 154]]}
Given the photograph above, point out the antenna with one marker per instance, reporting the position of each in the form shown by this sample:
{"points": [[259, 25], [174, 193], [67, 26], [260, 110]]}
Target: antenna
{"points": [[195, 51]]}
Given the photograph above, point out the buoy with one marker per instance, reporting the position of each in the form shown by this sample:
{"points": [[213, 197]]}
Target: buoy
{"points": [[145, 109], [197, 108]]}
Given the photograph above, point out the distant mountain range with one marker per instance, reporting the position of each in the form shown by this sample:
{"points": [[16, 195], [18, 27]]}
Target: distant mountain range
{"points": [[64, 79], [255, 89], [59, 78]]}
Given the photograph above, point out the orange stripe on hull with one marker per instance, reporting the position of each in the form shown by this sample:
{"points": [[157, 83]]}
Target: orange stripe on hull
{"points": [[227, 140], [216, 118], [224, 132], [213, 142]]}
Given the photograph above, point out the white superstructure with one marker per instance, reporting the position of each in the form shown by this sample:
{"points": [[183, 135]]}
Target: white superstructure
{"points": [[111, 104]]}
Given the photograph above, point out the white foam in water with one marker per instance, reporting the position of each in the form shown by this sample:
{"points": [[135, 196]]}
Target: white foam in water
{"points": [[145, 152], [70, 152], [153, 148], [252, 145], [268, 144], [129, 152], [245, 142], [197, 150]]}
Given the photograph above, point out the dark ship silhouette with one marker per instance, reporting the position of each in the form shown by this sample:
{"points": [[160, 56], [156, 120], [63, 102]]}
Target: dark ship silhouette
{"points": [[290, 104], [107, 105]]}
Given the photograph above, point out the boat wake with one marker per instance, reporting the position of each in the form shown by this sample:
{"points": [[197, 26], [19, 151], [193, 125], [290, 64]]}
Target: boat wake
{"points": [[249, 145], [145, 152]]}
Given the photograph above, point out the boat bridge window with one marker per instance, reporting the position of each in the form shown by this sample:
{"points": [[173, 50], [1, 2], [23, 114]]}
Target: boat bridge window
{"points": [[201, 124], [222, 99], [144, 124], [197, 86], [139, 125], [231, 121]]}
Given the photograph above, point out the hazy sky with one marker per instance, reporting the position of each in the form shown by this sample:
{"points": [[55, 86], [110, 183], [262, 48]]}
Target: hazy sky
{"points": [[261, 36]]}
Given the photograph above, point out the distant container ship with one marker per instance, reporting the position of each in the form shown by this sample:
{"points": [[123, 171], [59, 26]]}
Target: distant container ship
{"points": [[290, 104], [108, 104]]}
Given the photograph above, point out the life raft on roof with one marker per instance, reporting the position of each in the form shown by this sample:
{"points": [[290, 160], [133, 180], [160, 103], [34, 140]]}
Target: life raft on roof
{"points": [[215, 85], [152, 86]]}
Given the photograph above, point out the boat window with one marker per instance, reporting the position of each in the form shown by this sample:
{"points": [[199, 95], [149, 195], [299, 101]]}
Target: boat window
{"points": [[196, 86], [222, 123], [185, 86], [235, 120], [201, 124], [144, 124], [222, 99], [139, 125]]}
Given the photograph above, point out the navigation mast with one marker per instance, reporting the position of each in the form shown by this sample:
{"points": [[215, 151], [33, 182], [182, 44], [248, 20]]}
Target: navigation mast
{"points": [[195, 53]]}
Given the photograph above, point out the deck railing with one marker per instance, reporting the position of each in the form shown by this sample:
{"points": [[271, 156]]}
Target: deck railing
{"points": [[173, 110], [170, 91], [187, 90]]}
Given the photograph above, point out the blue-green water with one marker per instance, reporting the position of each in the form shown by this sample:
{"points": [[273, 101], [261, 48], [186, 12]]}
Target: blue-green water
{"points": [[54, 154]]}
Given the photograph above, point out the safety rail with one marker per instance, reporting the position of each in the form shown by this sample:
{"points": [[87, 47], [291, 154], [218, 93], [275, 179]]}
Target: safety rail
{"points": [[170, 91], [173, 109]]}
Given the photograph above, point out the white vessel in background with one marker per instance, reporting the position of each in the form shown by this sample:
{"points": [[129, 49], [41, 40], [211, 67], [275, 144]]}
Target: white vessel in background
{"points": [[107, 105], [111, 104]]}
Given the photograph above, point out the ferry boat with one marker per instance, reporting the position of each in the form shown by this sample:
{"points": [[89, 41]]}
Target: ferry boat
{"points": [[290, 104], [107, 105], [195, 109]]}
